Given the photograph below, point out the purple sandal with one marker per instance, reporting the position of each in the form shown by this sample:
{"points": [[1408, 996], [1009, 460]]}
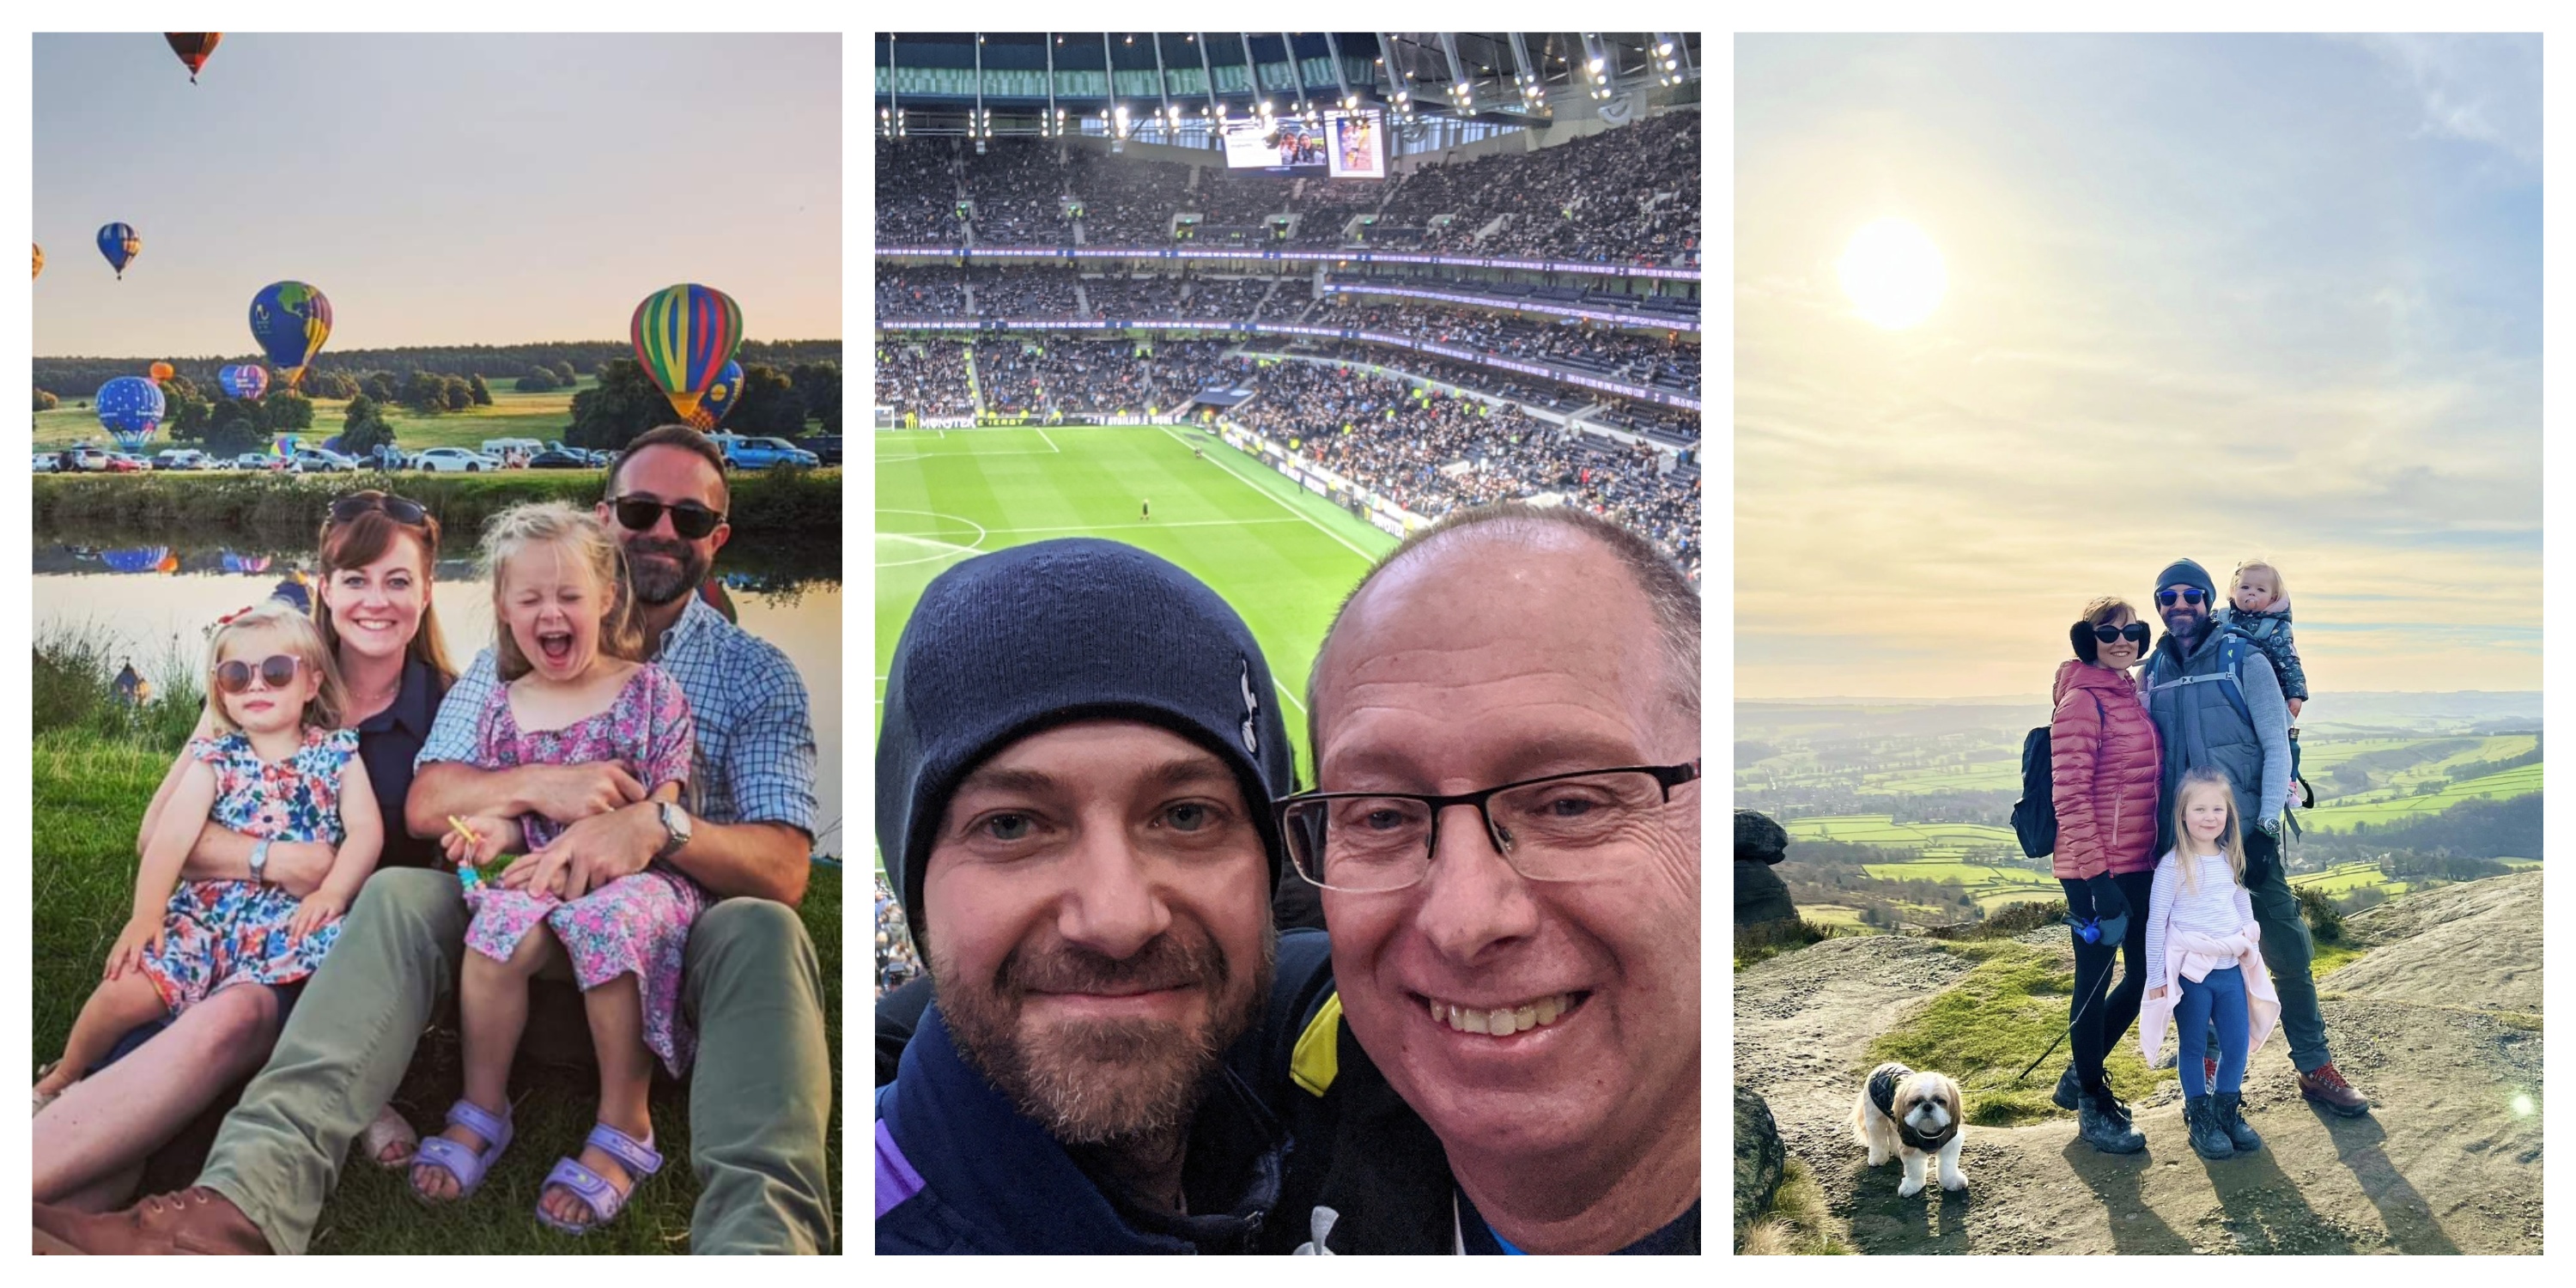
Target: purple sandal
{"points": [[454, 1158], [603, 1199]]}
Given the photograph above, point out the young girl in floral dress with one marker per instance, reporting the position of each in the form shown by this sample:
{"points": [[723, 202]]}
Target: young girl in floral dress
{"points": [[567, 645], [276, 767]]}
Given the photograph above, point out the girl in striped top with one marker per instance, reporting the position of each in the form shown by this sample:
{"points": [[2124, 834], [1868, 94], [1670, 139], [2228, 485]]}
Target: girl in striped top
{"points": [[2204, 944]]}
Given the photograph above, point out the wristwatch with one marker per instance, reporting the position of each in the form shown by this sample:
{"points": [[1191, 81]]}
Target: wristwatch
{"points": [[675, 821], [259, 861]]}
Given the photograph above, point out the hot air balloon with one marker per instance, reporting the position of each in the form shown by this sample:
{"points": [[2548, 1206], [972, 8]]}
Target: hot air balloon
{"points": [[139, 559], [194, 48], [248, 380], [241, 563], [719, 398], [40, 262], [684, 335], [290, 320], [162, 371], [130, 407], [120, 245]]}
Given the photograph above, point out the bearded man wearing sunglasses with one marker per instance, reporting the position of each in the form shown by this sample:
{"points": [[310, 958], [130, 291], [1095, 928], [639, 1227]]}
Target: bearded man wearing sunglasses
{"points": [[760, 1092], [2218, 705]]}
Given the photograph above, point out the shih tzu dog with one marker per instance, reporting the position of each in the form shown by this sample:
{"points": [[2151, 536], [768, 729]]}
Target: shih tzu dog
{"points": [[1914, 1115]]}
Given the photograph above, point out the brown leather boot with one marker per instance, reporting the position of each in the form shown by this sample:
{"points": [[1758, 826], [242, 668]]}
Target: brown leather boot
{"points": [[2327, 1087], [192, 1222]]}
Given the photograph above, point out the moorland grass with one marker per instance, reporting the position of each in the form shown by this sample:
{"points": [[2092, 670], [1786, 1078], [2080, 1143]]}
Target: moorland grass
{"points": [[1996, 1019], [94, 769]]}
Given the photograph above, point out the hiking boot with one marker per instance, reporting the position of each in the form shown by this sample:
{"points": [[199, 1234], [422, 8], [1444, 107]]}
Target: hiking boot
{"points": [[2230, 1107], [193, 1221], [2327, 1087], [2103, 1123], [2208, 1137], [2070, 1090]]}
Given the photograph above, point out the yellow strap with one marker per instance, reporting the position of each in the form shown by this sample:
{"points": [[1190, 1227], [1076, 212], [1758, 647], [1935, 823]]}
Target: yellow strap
{"points": [[1318, 1057]]}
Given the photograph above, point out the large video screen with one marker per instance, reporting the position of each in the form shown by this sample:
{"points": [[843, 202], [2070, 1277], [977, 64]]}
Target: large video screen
{"points": [[1355, 145], [1248, 146]]}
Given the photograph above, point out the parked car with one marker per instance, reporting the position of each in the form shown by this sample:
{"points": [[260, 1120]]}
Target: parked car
{"points": [[124, 463], [179, 458], [49, 462], [321, 460], [560, 458], [259, 461], [91, 460], [453, 460], [827, 447], [762, 453]]}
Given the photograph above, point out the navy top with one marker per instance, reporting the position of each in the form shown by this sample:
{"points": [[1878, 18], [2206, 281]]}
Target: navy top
{"points": [[387, 743]]}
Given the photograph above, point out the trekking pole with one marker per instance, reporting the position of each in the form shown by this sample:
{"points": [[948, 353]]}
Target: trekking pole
{"points": [[2101, 989]]}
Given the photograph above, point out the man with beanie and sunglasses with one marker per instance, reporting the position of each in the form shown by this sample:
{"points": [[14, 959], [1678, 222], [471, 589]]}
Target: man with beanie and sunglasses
{"points": [[2217, 705], [1080, 746]]}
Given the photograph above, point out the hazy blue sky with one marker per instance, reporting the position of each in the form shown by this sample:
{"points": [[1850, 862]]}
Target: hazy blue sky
{"points": [[2208, 296], [439, 189]]}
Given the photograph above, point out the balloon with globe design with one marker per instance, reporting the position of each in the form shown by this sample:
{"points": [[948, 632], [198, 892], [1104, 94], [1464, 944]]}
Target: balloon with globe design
{"points": [[684, 336], [130, 408], [290, 320]]}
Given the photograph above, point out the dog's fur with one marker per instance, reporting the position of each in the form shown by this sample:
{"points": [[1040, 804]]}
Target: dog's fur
{"points": [[1929, 1103]]}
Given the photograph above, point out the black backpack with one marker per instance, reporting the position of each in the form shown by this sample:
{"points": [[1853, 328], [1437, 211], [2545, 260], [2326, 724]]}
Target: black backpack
{"points": [[2034, 816]]}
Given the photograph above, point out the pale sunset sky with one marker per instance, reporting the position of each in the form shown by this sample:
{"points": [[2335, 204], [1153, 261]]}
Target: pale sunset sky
{"points": [[439, 189], [2212, 297]]}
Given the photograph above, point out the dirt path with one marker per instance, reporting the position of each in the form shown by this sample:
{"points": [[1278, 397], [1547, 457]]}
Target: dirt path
{"points": [[2449, 1162]]}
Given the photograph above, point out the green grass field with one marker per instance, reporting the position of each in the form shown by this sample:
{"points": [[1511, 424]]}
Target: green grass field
{"points": [[542, 417], [2379, 809], [2344, 878], [1280, 555], [1883, 829]]}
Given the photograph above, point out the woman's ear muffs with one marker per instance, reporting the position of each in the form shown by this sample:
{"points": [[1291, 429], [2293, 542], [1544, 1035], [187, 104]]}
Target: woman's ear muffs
{"points": [[2086, 647]]}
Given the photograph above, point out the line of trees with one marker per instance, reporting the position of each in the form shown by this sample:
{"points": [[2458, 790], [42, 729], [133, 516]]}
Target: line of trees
{"points": [[80, 377]]}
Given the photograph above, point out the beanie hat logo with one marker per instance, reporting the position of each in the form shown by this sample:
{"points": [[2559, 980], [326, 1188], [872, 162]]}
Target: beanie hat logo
{"points": [[1251, 713]]}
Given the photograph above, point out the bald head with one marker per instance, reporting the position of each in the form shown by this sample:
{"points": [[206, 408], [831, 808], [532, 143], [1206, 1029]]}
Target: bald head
{"points": [[1562, 588]]}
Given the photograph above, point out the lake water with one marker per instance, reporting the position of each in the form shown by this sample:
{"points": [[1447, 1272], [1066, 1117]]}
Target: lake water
{"points": [[156, 598]]}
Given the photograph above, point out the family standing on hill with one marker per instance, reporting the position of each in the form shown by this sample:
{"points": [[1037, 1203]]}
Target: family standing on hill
{"points": [[2171, 790], [654, 762]]}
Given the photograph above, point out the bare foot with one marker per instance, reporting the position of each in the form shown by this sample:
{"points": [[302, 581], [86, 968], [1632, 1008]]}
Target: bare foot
{"points": [[565, 1206]]}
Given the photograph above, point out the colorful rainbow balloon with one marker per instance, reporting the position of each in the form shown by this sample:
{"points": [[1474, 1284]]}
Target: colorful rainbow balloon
{"points": [[290, 320], [684, 335], [249, 380], [120, 244]]}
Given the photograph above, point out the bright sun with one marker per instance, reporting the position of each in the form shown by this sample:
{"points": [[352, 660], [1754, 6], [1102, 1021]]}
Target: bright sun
{"points": [[1893, 273]]}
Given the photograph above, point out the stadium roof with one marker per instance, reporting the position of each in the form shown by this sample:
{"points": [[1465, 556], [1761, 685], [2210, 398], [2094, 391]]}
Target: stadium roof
{"points": [[1043, 79]]}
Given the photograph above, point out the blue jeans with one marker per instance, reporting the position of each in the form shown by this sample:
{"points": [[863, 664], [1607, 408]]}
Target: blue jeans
{"points": [[2220, 999]]}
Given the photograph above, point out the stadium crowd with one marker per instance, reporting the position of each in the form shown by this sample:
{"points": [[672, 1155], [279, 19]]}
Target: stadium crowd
{"points": [[927, 377], [1636, 357], [1084, 377], [897, 964]]}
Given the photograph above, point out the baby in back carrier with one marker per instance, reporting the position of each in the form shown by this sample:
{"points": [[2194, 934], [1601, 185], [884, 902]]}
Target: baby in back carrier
{"points": [[2258, 608]]}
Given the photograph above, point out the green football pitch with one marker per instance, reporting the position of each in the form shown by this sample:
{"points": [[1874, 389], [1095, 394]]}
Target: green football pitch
{"points": [[1281, 555]]}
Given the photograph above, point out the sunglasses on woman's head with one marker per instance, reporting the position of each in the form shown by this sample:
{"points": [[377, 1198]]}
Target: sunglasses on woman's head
{"points": [[2191, 595], [2134, 632], [689, 519], [276, 671], [402, 510]]}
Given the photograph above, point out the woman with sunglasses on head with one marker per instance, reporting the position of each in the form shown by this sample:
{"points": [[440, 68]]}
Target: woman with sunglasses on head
{"points": [[379, 626], [2104, 763], [278, 768]]}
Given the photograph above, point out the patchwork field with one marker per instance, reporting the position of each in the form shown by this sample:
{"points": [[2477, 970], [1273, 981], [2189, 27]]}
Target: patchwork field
{"points": [[2380, 808]]}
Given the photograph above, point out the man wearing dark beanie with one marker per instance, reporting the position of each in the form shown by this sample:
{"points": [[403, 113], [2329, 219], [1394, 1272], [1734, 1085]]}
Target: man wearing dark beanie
{"points": [[1080, 746]]}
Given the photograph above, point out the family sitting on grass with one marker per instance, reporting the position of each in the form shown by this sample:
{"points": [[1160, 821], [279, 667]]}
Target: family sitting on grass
{"points": [[331, 855], [2190, 760]]}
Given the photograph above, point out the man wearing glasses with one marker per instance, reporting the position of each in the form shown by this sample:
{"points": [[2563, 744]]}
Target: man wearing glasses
{"points": [[1505, 721], [760, 1092], [2217, 704]]}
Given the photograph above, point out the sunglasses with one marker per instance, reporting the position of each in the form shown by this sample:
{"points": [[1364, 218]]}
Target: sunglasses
{"points": [[2192, 595], [276, 671], [401, 510], [2134, 632], [689, 519]]}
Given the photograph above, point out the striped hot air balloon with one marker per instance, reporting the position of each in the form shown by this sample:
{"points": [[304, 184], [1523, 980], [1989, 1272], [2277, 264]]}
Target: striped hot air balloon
{"points": [[684, 335]]}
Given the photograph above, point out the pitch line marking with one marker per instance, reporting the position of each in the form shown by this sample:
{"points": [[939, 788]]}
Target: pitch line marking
{"points": [[1365, 556]]}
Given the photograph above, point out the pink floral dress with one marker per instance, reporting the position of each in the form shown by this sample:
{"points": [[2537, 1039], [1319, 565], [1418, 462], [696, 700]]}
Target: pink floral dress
{"points": [[218, 933], [636, 925]]}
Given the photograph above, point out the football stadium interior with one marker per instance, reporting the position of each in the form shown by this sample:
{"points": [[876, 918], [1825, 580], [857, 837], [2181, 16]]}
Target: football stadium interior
{"points": [[1263, 302]]}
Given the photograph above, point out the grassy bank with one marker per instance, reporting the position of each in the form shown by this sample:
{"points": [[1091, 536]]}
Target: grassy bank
{"points": [[781, 503], [95, 764], [1996, 1019]]}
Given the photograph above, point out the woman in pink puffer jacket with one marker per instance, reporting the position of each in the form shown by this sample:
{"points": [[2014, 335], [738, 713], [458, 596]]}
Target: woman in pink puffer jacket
{"points": [[2104, 763]]}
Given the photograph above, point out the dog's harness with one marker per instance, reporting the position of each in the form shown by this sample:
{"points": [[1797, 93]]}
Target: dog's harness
{"points": [[1882, 1093]]}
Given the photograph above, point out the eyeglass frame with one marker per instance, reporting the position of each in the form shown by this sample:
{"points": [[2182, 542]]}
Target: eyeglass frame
{"points": [[1667, 777]]}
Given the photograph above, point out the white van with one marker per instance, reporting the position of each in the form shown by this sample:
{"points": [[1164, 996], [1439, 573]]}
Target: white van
{"points": [[513, 451]]}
